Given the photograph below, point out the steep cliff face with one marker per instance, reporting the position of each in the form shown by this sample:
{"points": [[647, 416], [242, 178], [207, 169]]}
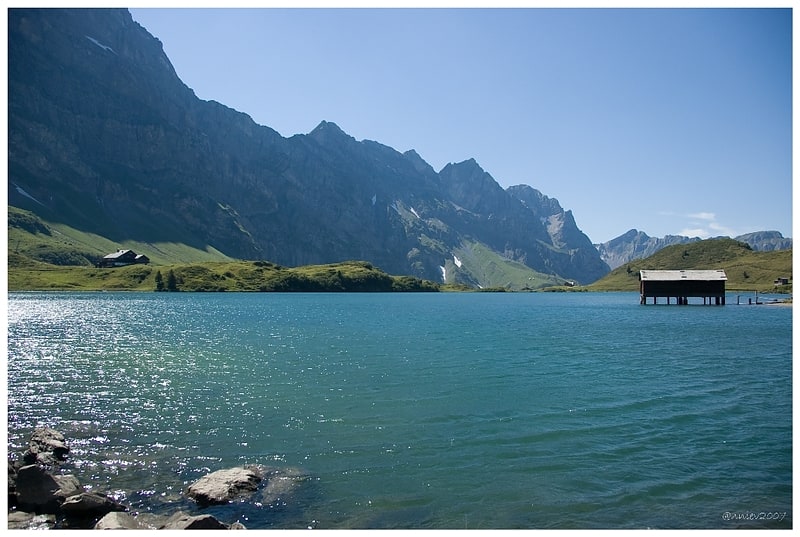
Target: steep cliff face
{"points": [[104, 137], [572, 254]]}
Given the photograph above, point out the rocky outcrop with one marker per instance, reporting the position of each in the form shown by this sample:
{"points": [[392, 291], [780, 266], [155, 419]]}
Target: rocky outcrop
{"points": [[42, 497], [36, 487]]}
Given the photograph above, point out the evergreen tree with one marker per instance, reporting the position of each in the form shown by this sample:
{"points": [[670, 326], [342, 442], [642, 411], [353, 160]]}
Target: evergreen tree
{"points": [[159, 281], [172, 282]]}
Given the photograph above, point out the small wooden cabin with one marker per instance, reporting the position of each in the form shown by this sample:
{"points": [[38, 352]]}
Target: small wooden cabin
{"points": [[122, 258], [682, 284]]}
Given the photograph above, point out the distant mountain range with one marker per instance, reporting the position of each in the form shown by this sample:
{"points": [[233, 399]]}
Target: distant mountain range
{"points": [[104, 138], [636, 244], [746, 268]]}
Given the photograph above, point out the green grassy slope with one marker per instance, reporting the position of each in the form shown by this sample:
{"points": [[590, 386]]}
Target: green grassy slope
{"points": [[59, 244], [496, 271], [352, 276], [747, 270], [48, 256]]}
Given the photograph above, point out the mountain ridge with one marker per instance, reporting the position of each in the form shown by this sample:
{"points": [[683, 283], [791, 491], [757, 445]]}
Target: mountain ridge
{"points": [[104, 137], [635, 244]]}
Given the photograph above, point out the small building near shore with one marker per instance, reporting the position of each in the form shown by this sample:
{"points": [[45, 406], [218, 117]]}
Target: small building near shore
{"points": [[123, 258], [682, 284]]}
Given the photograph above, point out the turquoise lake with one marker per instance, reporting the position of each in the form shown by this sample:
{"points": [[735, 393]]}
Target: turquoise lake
{"points": [[451, 410]]}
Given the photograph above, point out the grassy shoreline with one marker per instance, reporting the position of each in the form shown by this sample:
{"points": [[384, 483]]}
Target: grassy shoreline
{"points": [[233, 276]]}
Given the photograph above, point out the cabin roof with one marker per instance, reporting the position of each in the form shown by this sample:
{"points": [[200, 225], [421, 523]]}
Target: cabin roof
{"points": [[682, 275], [118, 253]]}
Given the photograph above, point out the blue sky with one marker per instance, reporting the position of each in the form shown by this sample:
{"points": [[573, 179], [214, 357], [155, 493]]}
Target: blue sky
{"points": [[670, 121]]}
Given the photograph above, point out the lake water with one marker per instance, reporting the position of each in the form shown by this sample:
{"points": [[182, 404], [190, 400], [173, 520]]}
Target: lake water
{"points": [[452, 410]]}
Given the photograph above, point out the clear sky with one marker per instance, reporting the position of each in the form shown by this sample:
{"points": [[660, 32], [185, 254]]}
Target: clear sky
{"points": [[670, 121]]}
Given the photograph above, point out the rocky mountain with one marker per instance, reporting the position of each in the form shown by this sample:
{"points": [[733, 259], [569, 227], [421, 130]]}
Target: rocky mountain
{"points": [[562, 231], [105, 138], [636, 244], [766, 241]]}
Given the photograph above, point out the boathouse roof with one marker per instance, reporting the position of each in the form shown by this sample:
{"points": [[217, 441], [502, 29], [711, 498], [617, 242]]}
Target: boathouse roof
{"points": [[682, 275]]}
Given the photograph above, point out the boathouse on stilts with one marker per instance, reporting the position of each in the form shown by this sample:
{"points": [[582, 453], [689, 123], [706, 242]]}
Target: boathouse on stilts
{"points": [[682, 284]]}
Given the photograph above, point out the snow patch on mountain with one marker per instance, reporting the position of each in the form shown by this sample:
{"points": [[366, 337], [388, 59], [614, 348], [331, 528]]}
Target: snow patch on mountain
{"points": [[99, 44], [22, 191]]}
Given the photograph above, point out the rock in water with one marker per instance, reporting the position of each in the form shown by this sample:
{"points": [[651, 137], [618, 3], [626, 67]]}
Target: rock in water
{"points": [[184, 521], [120, 521], [89, 504], [224, 486], [282, 484], [46, 446]]}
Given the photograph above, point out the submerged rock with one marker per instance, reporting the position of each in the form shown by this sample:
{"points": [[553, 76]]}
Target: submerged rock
{"points": [[282, 483]]}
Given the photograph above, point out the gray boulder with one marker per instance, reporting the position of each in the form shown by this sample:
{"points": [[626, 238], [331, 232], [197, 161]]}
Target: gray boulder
{"points": [[18, 520], [89, 505], [37, 490], [117, 520], [46, 446], [185, 521], [225, 486], [68, 485]]}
